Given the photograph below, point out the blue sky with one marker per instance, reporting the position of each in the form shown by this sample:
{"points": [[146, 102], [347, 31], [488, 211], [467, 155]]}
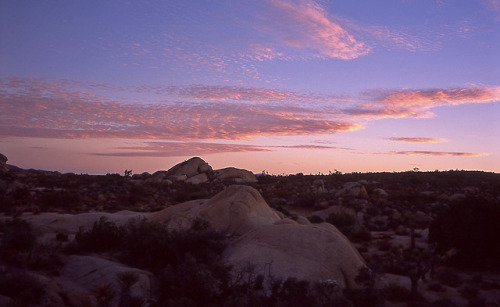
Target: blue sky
{"points": [[286, 86]]}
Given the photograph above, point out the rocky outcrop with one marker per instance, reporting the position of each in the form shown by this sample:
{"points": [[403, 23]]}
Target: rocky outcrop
{"points": [[275, 247], [4, 168], [85, 274], [314, 252], [197, 179], [190, 168], [354, 189], [233, 211], [318, 187], [380, 192], [197, 171], [235, 174]]}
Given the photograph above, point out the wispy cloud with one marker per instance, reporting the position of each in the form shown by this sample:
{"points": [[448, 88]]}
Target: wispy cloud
{"points": [[398, 39], [417, 102], [438, 153], [305, 24], [68, 109], [416, 140], [235, 93], [174, 149], [494, 6], [44, 108]]}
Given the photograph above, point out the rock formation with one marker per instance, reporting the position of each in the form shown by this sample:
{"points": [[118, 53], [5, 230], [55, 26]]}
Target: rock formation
{"points": [[315, 252], [274, 247], [355, 189], [233, 211], [196, 171], [190, 168], [235, 174], [3, 164]]}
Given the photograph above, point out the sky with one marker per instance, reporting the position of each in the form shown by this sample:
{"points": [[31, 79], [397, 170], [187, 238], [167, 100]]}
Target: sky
{"points": [[267, 85]]}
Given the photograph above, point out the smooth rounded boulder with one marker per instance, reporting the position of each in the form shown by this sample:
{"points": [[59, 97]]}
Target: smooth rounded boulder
{"points": [[233, 211], [314, 252], [190, 168]]}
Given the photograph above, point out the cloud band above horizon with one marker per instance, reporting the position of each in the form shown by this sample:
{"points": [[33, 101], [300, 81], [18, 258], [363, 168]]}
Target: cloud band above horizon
{"points": [[68, 109]]}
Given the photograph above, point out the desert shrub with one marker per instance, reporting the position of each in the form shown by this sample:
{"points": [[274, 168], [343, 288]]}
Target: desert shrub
{"points": [[341, 220], [290, 292], [449, 278], [22, 287], [103, 236], [395, 292], [472, 227], [469, 292], [360, 234], [436, 287], [366, 295], [18, 235], [315, 219], [187, 263], [58, 199]]}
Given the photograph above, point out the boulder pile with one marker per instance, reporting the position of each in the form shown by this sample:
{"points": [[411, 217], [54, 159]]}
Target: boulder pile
{"points": [[197, 171]]}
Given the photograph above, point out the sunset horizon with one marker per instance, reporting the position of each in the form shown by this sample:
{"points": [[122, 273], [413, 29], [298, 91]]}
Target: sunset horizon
{"points": [[274, 86]]}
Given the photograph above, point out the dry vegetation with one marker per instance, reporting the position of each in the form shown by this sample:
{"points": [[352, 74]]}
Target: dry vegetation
{"points": [[428, 237]]}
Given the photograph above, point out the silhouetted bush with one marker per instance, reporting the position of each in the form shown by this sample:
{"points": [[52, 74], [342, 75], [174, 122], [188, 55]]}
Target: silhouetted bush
{"points": [[395, 292], [449, 278], [22, 287], [342, 220], [104, 235], [360, 234], [18, 235], [472, 227]]}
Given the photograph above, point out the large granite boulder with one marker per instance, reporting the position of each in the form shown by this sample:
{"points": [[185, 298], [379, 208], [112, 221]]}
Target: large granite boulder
{"points": [[275, 247], [234, 211], [314, 252], [236, 174], [190, 168]]}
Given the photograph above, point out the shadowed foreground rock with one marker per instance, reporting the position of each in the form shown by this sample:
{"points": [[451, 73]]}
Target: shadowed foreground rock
{"points": [[258, 238]]}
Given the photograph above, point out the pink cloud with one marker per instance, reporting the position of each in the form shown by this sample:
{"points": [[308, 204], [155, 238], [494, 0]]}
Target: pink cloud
{"points": [[174, 149], [416, 103], [69, 109], [416, 140], [49, 109], [439, 153], [234, 93], [305, 24], [398, 39], [493, 5]]}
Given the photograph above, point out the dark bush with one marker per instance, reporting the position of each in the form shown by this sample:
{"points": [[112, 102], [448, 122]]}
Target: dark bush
{"points": [[315, 219], [449, 278], [436, 287], [341, 220], [23, 288], [18, 235], [395, 292], [472, 227], [104, 235], [360, 234]]}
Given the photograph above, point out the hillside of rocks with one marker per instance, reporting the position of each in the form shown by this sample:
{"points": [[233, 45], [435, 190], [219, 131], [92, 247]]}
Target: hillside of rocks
{"points": [[248, 239]]}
